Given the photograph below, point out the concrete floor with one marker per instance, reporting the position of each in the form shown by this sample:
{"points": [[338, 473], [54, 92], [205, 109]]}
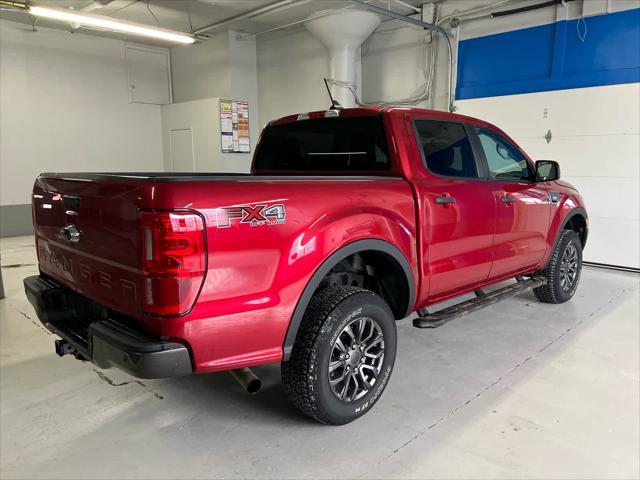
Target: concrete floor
{"points": [[518, 390]]}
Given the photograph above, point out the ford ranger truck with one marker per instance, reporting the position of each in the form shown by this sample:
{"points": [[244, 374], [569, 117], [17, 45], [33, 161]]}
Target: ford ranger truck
{"points": [[349, 221]]}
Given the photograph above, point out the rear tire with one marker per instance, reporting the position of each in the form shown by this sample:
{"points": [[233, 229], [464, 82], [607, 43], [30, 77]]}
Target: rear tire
{"points": [[563, 270], [337, 319]]}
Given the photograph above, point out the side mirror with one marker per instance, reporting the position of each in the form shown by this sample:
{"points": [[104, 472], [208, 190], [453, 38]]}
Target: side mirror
{"points": [[547, 171]]}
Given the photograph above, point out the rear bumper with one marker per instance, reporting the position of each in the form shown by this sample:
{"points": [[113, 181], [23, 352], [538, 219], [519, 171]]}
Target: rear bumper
{"points": [[106, 342]]}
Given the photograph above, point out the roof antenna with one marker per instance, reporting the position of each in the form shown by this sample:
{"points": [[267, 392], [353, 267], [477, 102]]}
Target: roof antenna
{"points": [[334, 104]]}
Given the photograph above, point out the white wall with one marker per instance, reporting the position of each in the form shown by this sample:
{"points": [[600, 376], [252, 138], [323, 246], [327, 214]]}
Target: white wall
{"points": [[203, 118], [65, 107], [243, 76], [596, 140], [291, 66], [221, 67], [201, 70]]}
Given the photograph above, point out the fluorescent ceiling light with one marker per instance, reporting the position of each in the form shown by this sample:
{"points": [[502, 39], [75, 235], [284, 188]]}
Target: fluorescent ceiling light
{"points": [[107, 23]]}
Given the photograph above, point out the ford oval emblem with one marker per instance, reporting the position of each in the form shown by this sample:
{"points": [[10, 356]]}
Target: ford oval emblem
{"points": [[70, 234]]}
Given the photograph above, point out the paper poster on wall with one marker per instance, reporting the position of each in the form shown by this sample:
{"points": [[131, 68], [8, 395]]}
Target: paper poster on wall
{"points": [[234, 126]]}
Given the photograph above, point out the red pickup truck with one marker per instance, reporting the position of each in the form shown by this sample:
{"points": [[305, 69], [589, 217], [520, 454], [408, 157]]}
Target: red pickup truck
{"points": [[350, 220]]}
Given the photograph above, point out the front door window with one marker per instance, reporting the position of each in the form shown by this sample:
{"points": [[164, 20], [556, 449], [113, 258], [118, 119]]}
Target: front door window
{"points": [[505, 161]]}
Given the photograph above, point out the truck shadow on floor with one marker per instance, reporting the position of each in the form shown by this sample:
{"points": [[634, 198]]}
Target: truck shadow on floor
{"points": [[221, 390]]}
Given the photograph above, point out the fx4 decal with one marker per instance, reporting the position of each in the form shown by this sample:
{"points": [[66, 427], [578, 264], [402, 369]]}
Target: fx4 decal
{"points": [[256, 215]]}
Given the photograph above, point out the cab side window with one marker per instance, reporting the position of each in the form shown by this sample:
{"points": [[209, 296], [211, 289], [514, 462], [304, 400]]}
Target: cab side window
{"points": [[446, 147], [504, 160]]}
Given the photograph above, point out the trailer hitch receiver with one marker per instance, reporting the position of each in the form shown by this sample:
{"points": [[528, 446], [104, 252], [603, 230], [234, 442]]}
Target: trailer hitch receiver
{"points": [[64, 348]]}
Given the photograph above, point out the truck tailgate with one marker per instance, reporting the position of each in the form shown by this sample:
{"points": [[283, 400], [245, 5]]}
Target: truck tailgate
{"points": [[103, 262]]}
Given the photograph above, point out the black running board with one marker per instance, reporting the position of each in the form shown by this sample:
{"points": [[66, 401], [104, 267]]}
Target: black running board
{"points": [[484, 299]]}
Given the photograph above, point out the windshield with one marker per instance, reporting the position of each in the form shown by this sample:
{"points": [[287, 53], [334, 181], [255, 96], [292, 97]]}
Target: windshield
{"points": [[355, 144]]}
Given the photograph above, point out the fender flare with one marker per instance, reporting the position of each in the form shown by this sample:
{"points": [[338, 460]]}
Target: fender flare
{"points": [[576, 211], [330, 262]]}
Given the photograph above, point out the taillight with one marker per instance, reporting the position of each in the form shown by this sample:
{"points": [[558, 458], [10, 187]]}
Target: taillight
{"points": [[174, 260]]}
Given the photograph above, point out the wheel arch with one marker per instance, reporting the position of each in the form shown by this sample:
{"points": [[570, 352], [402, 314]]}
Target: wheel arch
{"points": [[359, 246], [575, 220]]}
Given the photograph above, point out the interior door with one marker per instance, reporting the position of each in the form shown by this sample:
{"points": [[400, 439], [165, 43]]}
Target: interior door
{"points": [[456, 206], [182, 150], [523, 206]]}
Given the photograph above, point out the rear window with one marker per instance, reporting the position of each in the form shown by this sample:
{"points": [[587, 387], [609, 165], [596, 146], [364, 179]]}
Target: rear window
{"points": [[354, 144]]}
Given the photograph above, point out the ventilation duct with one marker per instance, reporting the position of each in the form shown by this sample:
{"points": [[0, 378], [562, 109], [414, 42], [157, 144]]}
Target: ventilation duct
{"points": [[342, 33]]}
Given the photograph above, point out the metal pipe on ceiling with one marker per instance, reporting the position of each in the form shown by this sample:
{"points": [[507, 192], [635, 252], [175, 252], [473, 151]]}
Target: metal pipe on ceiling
{"points": [[295, 22], [473, 11], [258, 12], [253, 13], [422, 24], [530, 8], [409, 6], [398, 16]]}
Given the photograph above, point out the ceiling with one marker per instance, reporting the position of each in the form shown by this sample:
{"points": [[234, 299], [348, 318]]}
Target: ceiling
{"points": [[191, 15]]}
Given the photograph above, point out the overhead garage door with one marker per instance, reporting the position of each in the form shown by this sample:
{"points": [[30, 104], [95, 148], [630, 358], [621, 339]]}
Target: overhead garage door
{"points": [[595, 129]]}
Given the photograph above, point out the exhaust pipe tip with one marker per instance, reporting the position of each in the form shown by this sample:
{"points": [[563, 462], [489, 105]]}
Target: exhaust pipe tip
{"points": [[254, 386], [249, 381]]}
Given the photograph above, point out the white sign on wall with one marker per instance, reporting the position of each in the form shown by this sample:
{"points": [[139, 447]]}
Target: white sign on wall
{"points": [[234, 126]]}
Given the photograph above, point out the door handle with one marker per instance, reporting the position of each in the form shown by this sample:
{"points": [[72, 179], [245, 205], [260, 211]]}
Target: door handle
{"points": [[445, 199], [507, 199]]}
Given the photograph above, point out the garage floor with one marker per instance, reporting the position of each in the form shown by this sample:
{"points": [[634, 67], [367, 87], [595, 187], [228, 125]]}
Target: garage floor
{"points": [[521, 389]]}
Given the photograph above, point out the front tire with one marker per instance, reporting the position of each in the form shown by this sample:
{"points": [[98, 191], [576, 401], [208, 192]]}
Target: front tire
{"points": [[563, 270], [343, 355]]}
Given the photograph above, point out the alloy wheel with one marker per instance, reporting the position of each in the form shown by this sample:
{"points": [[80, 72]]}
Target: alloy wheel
{"points": [[569, 267], [356, 359]]}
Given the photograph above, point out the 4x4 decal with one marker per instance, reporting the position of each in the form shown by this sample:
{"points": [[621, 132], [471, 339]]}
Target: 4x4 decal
{"points": [[254, 215]]}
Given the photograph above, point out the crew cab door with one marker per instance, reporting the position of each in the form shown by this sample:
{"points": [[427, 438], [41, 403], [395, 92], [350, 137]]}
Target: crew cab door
{"points": [[456, 207], [523, 206]]}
